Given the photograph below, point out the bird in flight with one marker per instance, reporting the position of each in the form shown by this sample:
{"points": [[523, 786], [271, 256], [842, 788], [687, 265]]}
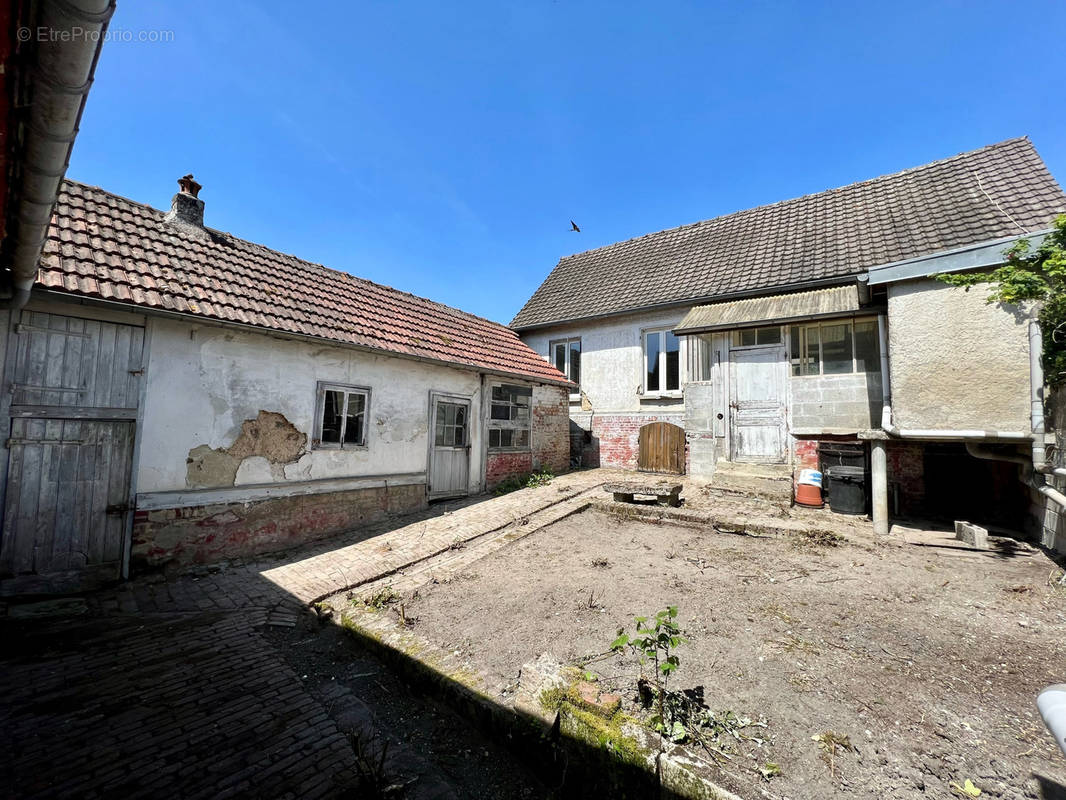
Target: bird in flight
{"points": [[573, 227]]}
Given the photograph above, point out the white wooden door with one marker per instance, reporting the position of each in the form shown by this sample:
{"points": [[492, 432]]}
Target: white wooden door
{"points": [[74, 385], [757, 381], [449, 452]]}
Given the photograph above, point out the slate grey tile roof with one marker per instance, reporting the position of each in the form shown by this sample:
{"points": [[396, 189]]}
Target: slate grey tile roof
{"points": [[984, 194]]}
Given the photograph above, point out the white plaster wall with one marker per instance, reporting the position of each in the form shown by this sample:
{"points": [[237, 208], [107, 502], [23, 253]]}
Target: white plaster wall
{"points": [[203, 382], [612, 359], [957, 363]]}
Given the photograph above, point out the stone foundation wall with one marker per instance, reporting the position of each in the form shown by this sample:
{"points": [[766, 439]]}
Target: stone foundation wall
{"points": [[207, 533]]}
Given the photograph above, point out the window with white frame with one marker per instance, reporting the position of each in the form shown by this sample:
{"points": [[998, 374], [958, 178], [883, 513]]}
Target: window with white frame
{"points": [[509, 417], [340, 420], [662, 362], [837, 347], [566, 357]]}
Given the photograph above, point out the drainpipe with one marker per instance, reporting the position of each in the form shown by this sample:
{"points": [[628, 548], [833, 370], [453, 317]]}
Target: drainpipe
{"points": [[60, 79], [886, 380]]}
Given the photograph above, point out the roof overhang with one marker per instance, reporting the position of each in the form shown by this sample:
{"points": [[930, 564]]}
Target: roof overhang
{"points": [[780, 308], [974, 256]]}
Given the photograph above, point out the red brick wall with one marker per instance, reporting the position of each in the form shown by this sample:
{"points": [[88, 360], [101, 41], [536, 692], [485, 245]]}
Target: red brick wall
{"points": [[906, 467], [501, 466], [617, 436], [203, 534], [551, 428], [805, 454]]}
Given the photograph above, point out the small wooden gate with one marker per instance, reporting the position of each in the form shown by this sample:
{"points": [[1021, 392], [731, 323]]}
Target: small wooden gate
{"points": [[661, 448]]}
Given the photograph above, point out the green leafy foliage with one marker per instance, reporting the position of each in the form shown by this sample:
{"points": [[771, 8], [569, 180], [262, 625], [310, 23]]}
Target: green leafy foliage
{"points": [[1032, 275], [654, 641], [530, 481]]}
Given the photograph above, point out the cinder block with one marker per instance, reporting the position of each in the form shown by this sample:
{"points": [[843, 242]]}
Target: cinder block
{"points": [[973, 535]]}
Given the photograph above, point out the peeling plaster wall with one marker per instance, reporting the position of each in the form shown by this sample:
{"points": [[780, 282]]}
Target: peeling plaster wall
{"points": [[957, 363], [225, 408]]}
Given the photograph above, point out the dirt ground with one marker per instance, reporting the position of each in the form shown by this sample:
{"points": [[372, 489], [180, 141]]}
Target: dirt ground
{"points": [[927, 656]]}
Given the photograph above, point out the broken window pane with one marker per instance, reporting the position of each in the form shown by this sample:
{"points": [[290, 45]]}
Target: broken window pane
{"points": [[331, 416]]}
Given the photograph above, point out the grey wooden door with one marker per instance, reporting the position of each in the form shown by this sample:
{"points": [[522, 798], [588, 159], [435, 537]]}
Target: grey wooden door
{"points": [[757, 383], [449, 453], [75, 385]]}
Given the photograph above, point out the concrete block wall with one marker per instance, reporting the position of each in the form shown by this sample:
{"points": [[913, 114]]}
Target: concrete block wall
{"points": [[836, 402], [206, 533]]}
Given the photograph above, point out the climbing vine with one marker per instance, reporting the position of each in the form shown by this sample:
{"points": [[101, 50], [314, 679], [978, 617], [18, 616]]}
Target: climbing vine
{"points": [[1032, 274]]}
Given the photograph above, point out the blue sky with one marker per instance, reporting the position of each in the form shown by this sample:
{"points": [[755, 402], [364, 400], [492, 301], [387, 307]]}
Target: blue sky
{"points": [[442, 148]]}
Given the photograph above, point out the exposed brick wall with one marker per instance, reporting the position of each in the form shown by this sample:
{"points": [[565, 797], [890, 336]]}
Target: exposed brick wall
{"points": [[501, 466], [805, 454], [551, 428], [615, 438], [906, 467], [203, 534]]}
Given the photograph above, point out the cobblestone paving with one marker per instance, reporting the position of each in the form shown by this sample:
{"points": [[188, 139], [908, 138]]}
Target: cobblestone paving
{"points": [[167, 686]]}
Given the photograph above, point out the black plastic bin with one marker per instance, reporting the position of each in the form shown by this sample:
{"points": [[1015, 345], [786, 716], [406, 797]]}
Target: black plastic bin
{"points": [[847, 489]]}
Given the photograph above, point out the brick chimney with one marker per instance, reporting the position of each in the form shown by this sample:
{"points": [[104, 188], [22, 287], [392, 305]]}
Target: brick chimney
{"points": [[187, 209]]}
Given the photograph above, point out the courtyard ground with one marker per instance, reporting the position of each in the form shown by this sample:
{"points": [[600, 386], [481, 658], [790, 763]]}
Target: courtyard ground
{"points": [[925, 654]]}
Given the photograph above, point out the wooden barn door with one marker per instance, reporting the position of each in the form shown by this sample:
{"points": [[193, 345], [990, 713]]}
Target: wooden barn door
{"points": [[661, 448], [75, 386]]}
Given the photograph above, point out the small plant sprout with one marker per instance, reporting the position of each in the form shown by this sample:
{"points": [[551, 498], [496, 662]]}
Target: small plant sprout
{"points": [[654, 641]]}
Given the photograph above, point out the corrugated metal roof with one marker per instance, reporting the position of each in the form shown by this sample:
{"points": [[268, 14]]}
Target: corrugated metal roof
{"points": [[776, 308]]}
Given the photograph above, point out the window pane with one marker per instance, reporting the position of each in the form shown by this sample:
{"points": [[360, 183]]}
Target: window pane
{"points": [[811, 366], [768, 335], [651, 361], [521, 439], [795, 352], [332, 409], [836, 349], [506, 437], [673, 361], [867, 347], [500, 411], [460, 435], [494, 438], [560, 356], [521, 414], [575, 361], [744, 337], [499, 393], [353, 431]]}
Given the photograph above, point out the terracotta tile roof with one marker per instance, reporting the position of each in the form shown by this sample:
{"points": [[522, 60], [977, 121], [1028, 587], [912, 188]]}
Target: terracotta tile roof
{"points": [[973, 197], [104, 246]]}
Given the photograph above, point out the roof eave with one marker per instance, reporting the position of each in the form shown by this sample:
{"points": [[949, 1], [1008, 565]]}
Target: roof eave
{"points": [[974, 256], [841, 280], [69, 297]]}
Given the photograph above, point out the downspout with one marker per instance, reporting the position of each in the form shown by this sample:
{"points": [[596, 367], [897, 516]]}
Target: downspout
{"points": [[886, 380], [1036, 411], [61, 77]]}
